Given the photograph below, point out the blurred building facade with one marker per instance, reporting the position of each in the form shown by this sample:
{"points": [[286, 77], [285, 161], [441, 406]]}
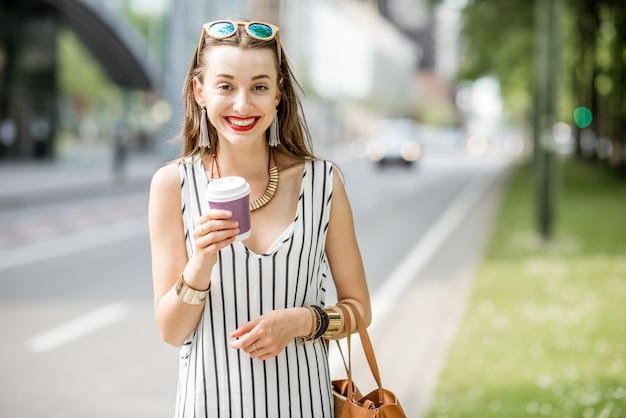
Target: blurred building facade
{"points": [[29, 62], [356, 59]]}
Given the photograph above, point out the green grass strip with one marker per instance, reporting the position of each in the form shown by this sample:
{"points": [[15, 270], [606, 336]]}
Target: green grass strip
{"points": [[545, 329]]}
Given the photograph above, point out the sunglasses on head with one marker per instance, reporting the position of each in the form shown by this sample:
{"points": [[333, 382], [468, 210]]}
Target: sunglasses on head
{"points": [[221, 29]]}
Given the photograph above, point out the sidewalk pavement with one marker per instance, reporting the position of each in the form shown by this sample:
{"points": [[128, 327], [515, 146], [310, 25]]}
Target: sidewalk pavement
{"points": [[24, 182], [86, 170]]}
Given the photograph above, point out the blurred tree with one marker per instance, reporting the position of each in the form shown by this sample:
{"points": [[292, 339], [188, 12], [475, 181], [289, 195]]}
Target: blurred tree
{"points": [[552, 57], [618, 101], [498, 40], [584, 28], [596, 62]]}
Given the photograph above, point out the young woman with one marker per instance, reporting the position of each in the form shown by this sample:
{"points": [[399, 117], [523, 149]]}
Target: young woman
{"points": [[249, 316]]}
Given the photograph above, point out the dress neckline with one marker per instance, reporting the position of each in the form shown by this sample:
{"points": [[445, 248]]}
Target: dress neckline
{"points": [[289, 230]]}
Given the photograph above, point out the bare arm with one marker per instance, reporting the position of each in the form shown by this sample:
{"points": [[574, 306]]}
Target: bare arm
{"points": [[344, 255], [176, 319]]}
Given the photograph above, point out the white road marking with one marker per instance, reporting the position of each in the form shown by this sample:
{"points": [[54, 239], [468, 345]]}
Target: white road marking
{"points": [[78, 327], [425, 249]]}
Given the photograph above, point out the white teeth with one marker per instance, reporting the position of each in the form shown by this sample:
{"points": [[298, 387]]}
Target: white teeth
{"points": [[241, 122]]}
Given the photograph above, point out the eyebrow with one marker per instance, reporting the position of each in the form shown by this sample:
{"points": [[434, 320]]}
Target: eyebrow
{"points": [[256, 77]]}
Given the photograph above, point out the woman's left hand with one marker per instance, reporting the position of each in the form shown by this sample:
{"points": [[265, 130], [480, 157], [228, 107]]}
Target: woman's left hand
{"points": [[267, 335]]}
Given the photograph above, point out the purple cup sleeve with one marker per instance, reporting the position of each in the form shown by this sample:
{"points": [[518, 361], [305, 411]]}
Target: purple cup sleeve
{"points": [[240, 209]]}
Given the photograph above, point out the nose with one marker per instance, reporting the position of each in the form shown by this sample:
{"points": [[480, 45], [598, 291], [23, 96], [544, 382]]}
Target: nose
{"points": [[242, 102]]}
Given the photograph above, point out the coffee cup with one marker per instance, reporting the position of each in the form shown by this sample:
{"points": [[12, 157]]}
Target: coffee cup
{"points": [[233, 194]]}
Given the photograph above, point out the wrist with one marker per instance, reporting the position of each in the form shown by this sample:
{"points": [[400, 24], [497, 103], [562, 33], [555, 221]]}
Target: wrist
{"points": [[197, 274], [309, 325], [189, 294], [324, 323]]}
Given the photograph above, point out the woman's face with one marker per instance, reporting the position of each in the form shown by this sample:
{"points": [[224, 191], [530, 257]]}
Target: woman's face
{"points": [[240, 92]]}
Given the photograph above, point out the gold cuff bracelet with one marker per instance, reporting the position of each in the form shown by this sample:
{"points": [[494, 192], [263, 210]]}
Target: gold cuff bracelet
{"points": [[188, 294], [334, 323]]}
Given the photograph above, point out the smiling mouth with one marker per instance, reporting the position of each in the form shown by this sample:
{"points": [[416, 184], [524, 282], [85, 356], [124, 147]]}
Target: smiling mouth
{"points": [[242, 124]]}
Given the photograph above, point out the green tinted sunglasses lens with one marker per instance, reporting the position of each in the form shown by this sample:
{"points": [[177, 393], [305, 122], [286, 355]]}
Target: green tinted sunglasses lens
{"points": [[222, 29], [260, 30]]}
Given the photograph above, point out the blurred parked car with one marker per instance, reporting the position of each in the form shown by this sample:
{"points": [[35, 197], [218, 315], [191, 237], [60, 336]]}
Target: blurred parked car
{"points": [[395, 140]]}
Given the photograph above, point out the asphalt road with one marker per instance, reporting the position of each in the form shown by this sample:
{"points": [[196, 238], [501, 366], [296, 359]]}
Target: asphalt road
{"points": [[78, 333]]}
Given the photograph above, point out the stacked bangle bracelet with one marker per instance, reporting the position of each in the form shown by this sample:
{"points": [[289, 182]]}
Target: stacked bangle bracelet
{"points": [[326, 323]]}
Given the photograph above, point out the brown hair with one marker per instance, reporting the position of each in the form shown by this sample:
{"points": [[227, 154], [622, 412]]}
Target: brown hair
{"points": [[295, 139]]}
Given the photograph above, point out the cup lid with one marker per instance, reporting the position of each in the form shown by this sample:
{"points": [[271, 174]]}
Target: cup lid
{"points": [[227, 188]]}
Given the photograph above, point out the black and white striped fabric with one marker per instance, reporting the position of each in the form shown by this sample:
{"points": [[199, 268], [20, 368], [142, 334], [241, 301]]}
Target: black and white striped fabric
{"points": [[218, 381]]}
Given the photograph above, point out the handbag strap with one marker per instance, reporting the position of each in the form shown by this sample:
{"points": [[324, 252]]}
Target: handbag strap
{"points": [[348, 324], [367, 346]]}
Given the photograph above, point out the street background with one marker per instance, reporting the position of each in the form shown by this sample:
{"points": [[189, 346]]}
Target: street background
{"points": [[429, 107], [76, 296]]}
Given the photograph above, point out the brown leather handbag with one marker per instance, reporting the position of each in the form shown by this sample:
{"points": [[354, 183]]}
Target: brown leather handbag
{"points": [[380, 403]]}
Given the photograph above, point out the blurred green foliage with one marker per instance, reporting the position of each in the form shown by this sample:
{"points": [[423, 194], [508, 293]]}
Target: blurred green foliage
{"points": [[79, 73], [499, 39]]}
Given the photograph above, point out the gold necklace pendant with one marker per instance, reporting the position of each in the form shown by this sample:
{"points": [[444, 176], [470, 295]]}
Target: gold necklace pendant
{"points": [[269, 192], [271, 187]]}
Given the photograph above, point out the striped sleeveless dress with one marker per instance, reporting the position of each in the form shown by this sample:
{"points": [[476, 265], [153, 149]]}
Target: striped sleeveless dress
{"points": [[216, 380]]}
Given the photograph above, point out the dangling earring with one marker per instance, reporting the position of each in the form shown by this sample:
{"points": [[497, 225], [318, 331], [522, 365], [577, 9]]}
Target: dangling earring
{"points": [[274, 139], [204, 142]]}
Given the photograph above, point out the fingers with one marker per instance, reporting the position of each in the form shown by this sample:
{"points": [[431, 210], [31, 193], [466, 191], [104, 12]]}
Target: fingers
{"points": [[216, 220], [259, 351], [244, 329], [253, 350], [260, 338], [248, 340], [215, 230], [244, 337], [216, 214]]}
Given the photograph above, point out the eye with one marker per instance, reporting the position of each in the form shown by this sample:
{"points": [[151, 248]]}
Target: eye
{"points": [[260, 87], [224, 86]]}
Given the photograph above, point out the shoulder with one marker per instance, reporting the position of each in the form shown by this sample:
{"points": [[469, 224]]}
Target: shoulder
{"points": [[330, 169], [166, 177], [326, 180], [319, 164], [165, 196], [287, 164], [296, 168]]}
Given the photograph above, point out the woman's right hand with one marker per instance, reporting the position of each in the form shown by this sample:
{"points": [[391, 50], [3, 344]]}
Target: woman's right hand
{"points": [[214, 232]]}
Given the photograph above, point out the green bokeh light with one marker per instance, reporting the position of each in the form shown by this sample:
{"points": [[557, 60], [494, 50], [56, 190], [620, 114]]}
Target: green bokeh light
{"points": [[582, 117]]}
